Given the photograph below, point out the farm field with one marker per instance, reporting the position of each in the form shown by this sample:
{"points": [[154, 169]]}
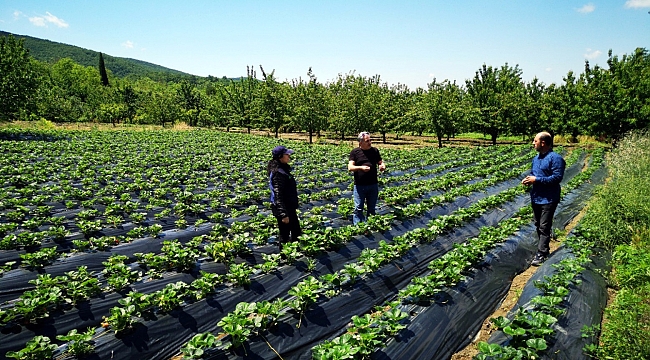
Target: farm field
{"points": [[158, 244]]}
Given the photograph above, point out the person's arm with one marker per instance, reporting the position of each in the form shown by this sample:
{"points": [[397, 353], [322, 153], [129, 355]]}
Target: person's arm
{"points": [[530, 178], [353, 167], [277, 181], [382, 165]]}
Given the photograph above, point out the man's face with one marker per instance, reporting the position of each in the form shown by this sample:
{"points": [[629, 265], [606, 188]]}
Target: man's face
{"points": [[537, 144], [365, 143]]}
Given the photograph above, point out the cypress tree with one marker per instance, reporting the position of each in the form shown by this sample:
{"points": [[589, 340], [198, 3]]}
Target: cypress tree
{"points": [[102, 70]]}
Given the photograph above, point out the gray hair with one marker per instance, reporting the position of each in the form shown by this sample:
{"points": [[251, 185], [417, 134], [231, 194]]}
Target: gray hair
{"points": [[362, 135]]}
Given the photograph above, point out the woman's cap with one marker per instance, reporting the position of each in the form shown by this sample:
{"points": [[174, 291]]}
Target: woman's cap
{"points": [[280, 150]]}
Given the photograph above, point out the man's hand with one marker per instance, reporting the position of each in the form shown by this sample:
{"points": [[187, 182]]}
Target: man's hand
{"points": [[365, 168], [528, 180], [285, 220], [382, 167]]}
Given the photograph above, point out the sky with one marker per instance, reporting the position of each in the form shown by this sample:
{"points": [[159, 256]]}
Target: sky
{"points": [[406, 42]]}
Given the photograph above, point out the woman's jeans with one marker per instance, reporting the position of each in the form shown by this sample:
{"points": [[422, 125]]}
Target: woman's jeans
{"points": [[363, 194]]}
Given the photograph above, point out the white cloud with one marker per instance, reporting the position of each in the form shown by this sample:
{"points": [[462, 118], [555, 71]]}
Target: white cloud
{"points": [[635, 4], [592, 54], [55, 20], [548, 69], [586, 9], [432, 75], [17, 14], [48, 18], [38, 21], [128, 44]]}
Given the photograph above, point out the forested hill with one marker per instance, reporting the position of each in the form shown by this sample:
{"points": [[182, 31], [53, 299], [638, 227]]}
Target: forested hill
{"points": [[50, 52]]}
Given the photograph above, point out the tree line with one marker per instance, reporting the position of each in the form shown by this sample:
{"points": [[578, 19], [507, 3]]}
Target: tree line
{"points": [[496, 101]]}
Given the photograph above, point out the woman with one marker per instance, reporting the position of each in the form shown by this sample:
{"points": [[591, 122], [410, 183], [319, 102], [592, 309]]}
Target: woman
{"points": [[284, 194]]}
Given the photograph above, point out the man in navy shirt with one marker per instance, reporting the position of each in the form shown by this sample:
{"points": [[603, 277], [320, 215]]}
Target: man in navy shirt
{"points": [[545, 177], [365, 162]]}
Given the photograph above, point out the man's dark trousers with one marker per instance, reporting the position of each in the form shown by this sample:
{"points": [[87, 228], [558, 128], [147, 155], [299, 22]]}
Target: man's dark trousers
{"points": [[544, 223]]}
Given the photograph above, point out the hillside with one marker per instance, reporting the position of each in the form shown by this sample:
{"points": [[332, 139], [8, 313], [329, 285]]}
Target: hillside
{"points": [[50, 52]]}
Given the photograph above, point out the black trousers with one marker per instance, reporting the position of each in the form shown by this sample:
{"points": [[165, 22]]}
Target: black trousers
{"points": [[544, 223], [290, 231]]}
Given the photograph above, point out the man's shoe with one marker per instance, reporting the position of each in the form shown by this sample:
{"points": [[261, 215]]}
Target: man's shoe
{"points": [[538, 259]]}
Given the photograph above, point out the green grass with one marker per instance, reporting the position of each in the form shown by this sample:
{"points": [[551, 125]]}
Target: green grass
{"points": [[620, 214], [625, 331], [622, 207]]}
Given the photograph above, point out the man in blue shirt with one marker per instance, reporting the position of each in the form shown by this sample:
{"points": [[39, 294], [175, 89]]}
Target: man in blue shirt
{"points": [[545, 177]]}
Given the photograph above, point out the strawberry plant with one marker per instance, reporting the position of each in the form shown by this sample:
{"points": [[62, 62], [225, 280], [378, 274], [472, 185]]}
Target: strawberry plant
{"points": [[120, 319], [38, 348], [195, 348], [305, 293], [39, 259], [170, 297], [78, 344], [119, 275], [239, 274]]}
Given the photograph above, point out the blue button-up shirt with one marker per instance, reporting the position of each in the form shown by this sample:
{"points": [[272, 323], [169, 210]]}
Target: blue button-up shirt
{"points": [[548, 170]]}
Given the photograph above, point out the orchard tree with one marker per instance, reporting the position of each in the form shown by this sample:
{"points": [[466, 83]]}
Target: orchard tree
{"points": [[482, 89], [310, 105], [159, 105], [18, 78], [417, 119], [551, 111], [497, 95], [213, 114], [533, 103], [353, 108], [617, 97], [238, 98], [191, 101], [400, 102], [130, 97], [272, 103], [572, 101], [380, 102], [442, 108]]}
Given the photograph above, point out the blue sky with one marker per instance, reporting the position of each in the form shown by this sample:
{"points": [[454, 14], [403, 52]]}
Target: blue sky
{"points": [[408, 42]]}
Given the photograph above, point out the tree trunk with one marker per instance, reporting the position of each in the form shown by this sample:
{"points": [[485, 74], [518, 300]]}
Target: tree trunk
{"points": [[311, 134]]}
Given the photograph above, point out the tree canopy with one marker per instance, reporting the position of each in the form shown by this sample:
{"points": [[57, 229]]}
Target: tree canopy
{"points": [[601, 102]]}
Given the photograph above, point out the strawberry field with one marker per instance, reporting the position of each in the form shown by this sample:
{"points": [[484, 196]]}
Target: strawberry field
{"points": [[155, 245]]}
